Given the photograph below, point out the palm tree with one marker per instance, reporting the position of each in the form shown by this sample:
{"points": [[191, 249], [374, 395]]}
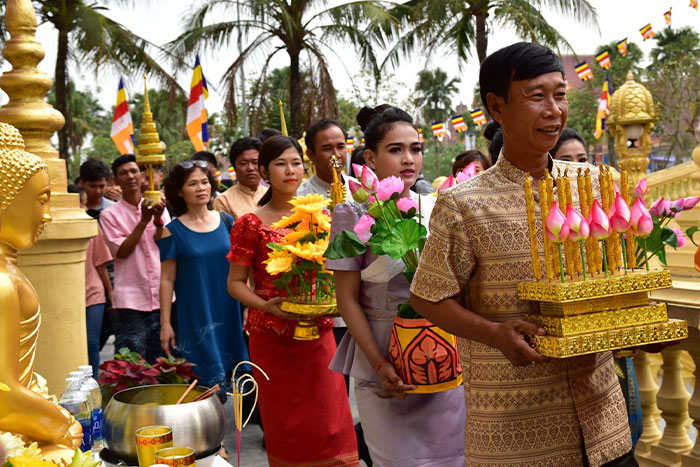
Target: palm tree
{"points": [[301, 28], [88, 37], [434, 91], [461, 25]]}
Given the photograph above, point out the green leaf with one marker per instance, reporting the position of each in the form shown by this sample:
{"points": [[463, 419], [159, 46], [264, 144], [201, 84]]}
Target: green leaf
{"points": [[404, 237], [275, 246], [406, 311], [689, 232], [669, 237], [345, 245]]}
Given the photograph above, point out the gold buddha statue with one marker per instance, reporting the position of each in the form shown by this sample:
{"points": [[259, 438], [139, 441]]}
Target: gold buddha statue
{"points": [[24, 209]]}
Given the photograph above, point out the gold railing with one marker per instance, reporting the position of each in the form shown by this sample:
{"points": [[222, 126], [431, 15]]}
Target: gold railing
{"points": [[675, 367]]}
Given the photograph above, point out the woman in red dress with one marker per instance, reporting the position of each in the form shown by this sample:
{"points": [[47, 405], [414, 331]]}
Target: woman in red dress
{"points": [[304, 406]]}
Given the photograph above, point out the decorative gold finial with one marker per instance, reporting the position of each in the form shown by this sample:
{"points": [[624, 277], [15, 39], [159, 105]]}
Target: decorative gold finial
{"points": [[337, 187], [150, 151], [283, 125]]}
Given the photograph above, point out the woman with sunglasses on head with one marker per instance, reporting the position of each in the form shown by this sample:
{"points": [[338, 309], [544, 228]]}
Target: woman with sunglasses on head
{"points": [[304, 405], [193, 264], [400, 429]]}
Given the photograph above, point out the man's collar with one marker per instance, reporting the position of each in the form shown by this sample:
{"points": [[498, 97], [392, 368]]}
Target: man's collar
{"points": [[246, 190], [513, 173]]}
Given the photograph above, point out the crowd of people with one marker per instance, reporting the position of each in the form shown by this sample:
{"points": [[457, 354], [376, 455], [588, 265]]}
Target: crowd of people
{"points": [[185, 275]]}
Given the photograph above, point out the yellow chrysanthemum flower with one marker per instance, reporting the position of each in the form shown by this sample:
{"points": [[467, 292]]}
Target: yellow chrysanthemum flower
{"points": [[305, 251], [278, 262], [24, 461], [319, 249], [323, 222], [310, 204], [292, 237], [285, 222]]}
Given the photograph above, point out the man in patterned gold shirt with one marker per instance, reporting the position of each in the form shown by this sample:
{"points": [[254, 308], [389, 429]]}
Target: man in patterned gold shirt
{"points": [[522, 409]]}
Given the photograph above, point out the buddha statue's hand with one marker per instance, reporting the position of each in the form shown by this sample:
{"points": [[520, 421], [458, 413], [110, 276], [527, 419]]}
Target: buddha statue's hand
{"points": [[74, 435]]}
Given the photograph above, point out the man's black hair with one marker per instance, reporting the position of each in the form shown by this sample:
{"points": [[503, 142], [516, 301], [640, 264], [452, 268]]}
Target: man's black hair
{"points": [[92, 170], [121, 160], [517, 62], [205, 156], [241, 145], [321, 125]]}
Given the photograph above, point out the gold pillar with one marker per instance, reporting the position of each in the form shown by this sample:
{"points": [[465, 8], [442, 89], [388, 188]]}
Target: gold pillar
{"points": [[631, 119], [56, 266]]}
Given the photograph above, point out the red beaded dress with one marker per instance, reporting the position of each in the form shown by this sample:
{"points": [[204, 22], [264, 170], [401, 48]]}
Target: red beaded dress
{"points": [[304, 406]]}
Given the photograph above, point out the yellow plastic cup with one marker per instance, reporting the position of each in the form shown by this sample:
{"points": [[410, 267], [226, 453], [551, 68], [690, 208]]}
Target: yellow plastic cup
{"points": [[179, 456], [150, 439]]}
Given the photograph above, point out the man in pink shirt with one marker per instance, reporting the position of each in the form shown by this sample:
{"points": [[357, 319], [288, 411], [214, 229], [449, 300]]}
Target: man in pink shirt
{"points": [[131, 227]]}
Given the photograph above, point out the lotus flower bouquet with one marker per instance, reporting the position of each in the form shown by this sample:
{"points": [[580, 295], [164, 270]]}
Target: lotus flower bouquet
{"points": [[299, 265]]}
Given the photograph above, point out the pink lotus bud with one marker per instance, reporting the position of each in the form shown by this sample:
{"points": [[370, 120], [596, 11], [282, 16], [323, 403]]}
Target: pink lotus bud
{"points": [[615, 188], [689, 203], [357, 169], [641, 222], [390, 188], [371, 199], [369, 180], [407, 205], [358, 193], [619, 215], [680, 236], [556, 228], [363, 228], [466, 173], [598, 222], [641, 189], [660, 208], [578, 226], [677, 205], [449, 182]]}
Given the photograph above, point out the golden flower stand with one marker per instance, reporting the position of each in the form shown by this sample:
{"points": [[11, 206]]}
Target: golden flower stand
{"points": [[306, 329], [600, 314]]}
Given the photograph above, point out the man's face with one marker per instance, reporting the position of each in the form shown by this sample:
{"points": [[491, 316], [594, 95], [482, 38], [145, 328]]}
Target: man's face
{"points": [[157, 179], [94, 190], [246, 167], [129, 177], [535, 114], [327, 143]]}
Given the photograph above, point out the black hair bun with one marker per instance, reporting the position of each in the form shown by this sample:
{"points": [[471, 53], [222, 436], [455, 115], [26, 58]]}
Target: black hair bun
{"points": [[364, 116], [490, 129]]}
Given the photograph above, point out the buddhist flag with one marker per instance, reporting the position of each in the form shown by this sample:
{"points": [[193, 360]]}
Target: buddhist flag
{"points": [[122, 128], [420, 135], [622, 47], [603, 60], [438, 130], [350, 144], [603, 108], [647, 32], [196, 112], [478, 117], [667, 17], [458, 123], [232, 173], [568, 86], [583, 71], [694, 4], [217, 176]]}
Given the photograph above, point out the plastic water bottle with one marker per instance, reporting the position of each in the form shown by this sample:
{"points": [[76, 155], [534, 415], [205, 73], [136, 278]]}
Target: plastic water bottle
{"points": [[88, 395], [74, 401], [90, 383]]}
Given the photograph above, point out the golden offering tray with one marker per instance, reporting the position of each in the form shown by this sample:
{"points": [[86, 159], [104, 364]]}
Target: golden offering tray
{"points": [[600, 314], [307, 330]]}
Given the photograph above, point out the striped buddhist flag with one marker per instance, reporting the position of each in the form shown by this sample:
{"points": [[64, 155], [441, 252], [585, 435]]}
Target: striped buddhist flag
{"points": [[458, 123], [420, 135], [478, 117], [122, 128], [217, 176], [694, 4], [583, 71], [350, 144], [232, 173], [568, 86], [667, 17], [196, 112], [622, 47], [603, 108], [603, 59], [647, 32], [438, 130]]}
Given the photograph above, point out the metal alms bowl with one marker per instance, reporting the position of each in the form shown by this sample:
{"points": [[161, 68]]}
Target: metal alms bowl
{"points": [[200, 425]]}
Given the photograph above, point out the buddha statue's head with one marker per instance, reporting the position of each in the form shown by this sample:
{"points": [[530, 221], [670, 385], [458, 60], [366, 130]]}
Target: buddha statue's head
{"points": [[24, 191]]}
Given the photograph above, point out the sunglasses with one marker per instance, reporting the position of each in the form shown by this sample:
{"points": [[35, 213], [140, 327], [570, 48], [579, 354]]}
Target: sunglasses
{"points": [[189, 164]]}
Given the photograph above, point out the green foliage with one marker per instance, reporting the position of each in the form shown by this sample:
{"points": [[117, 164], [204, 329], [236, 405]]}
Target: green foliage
{"points": [[405, 237], [102, 148], [446, 155], [433, 95], [583, 106], [348, 245]]}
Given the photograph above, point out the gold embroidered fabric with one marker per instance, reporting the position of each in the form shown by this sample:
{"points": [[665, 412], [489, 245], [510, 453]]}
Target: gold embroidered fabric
{"points": [[537, 415]]}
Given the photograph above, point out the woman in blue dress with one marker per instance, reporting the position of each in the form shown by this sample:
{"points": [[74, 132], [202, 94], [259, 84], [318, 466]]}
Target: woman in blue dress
{"points": [[193, 266]]}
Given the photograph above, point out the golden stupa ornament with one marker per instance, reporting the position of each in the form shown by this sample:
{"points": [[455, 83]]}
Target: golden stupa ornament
{"points": [[150, 150], [630, 122], [337, 192]]}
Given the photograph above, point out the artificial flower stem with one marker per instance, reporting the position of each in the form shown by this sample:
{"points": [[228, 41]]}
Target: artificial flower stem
{"points": [[561, 263], [624, 252], [605, 260], [583, 259], [646, 256]]}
